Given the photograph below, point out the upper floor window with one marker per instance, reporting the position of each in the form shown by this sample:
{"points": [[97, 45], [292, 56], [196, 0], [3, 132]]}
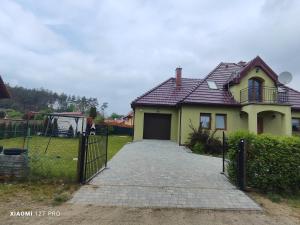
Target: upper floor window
{"points": [[296, 124], [205, 120], [255, 90], [212, 84], [221, 121]]}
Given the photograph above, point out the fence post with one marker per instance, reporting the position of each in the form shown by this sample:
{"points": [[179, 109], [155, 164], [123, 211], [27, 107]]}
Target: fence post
{"points": [[241, 170], [81, 158], [106, 150], [223, 149]]}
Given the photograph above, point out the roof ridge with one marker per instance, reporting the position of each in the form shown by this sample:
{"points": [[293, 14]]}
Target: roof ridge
{"points": [[148, 92], [201, 82]]}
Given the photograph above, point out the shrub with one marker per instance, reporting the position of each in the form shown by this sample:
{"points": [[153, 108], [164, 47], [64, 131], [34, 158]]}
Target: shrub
{"points": [[203, 141], [273, 163], [198, 148]]}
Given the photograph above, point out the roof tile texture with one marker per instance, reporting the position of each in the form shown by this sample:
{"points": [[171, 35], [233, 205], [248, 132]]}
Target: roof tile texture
{"points": [[196, 91]]}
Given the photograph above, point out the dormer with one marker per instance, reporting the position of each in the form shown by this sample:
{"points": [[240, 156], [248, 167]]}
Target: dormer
{"points": [[255, 82]]}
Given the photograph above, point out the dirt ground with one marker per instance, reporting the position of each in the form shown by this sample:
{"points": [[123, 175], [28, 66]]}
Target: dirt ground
{"points": [[274, 213]]}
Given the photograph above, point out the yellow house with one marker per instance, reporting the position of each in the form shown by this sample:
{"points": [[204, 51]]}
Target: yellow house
{"points": [[232, 97]]}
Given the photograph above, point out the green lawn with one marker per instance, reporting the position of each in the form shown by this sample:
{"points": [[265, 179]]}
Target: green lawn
{"points": [[60, 160]]}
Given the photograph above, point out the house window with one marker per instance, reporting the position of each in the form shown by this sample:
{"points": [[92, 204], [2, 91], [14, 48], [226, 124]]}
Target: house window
{"points": [[205, 120], [296, 124], [255, 88], [221, 121], [212, 84]]}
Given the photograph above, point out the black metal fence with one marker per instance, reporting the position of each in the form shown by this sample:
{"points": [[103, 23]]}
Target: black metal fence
{"points": [[19, 128], [264, 95], [92, 158], [52, 155]]}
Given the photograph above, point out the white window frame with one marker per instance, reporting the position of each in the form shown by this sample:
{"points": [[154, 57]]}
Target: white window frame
{"points": [[212, 85]]}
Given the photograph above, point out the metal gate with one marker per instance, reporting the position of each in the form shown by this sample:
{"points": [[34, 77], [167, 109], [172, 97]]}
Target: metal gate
{"points": [[92, 154]]}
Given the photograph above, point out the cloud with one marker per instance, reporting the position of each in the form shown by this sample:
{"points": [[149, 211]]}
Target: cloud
{"points": [[117, 50]]}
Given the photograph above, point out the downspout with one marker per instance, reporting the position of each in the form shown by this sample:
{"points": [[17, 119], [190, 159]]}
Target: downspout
{"points": [[133, 118], [180, 112]]}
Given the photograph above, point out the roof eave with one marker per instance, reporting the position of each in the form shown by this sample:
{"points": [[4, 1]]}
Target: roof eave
{"points": [[210, 104], [133, 105]]}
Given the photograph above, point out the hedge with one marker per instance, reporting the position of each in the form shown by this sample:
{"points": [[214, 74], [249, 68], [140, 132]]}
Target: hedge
{"points": [[273, 162]]}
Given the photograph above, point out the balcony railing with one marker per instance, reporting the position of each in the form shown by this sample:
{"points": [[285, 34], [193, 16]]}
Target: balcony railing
{"points": [[269, 95]]}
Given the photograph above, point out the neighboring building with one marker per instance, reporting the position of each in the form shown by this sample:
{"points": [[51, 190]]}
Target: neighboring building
{"points": [[66, 119], [232, 97], [128, 119], [3, 90]]}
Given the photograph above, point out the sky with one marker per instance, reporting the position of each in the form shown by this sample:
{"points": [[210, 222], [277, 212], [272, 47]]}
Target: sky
{"points": [[117, 50]]}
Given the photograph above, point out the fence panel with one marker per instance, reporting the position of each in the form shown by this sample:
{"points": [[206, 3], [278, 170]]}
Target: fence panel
{"points": [[92, 154]]}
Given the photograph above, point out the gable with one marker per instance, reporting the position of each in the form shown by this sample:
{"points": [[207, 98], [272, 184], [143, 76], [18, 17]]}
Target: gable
{"points": [[235, 89], [256, 63]]}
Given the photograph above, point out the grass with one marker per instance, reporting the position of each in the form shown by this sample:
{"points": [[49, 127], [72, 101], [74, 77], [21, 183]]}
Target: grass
{"points": [[60, 159], [291, 200], [58, 162], [50, 193]]}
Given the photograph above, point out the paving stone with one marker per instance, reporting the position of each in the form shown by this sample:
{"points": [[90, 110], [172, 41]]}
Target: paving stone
{"points": [[162, 174]]}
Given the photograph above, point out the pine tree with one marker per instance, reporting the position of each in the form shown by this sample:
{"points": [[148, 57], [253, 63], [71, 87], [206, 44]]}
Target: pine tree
{"points": [[93, 112]]}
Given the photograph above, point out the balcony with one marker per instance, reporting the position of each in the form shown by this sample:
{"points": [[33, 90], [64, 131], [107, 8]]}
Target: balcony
{"points": [[267, 95]]}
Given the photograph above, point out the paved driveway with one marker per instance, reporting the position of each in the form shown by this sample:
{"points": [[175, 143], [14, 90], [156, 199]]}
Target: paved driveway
{"points": [[162, 174]]}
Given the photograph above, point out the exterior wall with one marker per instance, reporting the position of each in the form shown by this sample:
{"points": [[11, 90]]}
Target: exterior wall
{"points": [[272, 123], [191, 114], [235, 90], [284, 127], [139, 120]]}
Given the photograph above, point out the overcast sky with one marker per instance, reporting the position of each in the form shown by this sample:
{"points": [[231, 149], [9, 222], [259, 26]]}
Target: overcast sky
{"points": [[117, 50]]}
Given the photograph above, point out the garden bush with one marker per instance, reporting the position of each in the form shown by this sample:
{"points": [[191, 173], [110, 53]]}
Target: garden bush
{"points": [[203, 141], [273, 163]]}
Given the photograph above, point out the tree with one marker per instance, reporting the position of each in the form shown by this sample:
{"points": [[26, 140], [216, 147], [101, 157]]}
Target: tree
{"points": [[24, 99], [93, 112], [103, 107], [71, 108], [115, 116]]}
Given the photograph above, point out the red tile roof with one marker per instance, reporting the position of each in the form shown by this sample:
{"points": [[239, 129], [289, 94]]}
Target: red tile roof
{"points": [[166, 93], [196, 91], [294, 98], [202, 94]]}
